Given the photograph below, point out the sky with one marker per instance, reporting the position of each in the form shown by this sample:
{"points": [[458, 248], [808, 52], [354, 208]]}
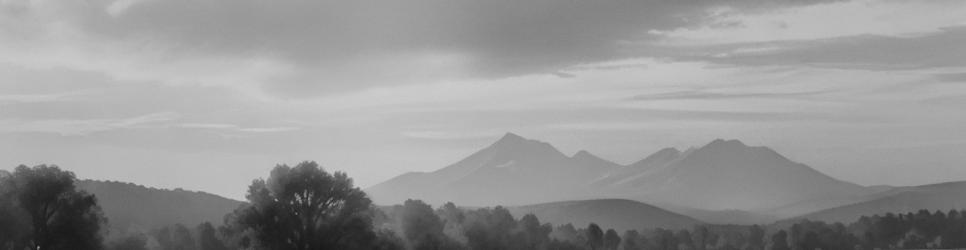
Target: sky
{"points": [[209, 95]]}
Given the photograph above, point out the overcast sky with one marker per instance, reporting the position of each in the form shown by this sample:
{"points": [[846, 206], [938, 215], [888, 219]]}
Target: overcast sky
{"points": [[208, 95]]}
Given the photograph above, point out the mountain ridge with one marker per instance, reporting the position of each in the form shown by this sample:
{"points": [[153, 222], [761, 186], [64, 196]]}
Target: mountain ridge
{"points": [[720, 175]]}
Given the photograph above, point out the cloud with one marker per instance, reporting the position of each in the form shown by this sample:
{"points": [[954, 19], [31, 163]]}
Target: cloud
{"points": [[859, 34], [951, 77], [820, 21], [707, 95], [38, 98], [80, 127], [875, 52], [451, 135], [236, 128], [307, 48]]}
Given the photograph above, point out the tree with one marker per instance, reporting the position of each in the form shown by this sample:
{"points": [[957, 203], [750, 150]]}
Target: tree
{"points": [[701, 237], [306, 208], [810, 241], [533, 235], [779, 241], [632, 240], [49, 212], [664, 239], [489, 228], [176, 237], [756, 237], [207, 239], [12, 218], [595, 237], [684, 239], [130, 242], [567, 233], [611, 240], [421, 227]]}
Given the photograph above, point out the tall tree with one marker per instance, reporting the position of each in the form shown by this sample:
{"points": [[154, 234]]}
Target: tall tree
{"points": [[306, 208], [489, 228], [756, 237], [176, 237], [55, 215], [595, 237], [421, 227], [701, 237], [13, 219], [631, 240], [130, 242], [779, 241], [208, 239], [684, 239], [611, 240], [534, 235]]}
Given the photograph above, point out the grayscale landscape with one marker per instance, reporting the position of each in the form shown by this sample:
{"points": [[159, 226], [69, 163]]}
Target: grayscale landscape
{"points": [[482, 125]]}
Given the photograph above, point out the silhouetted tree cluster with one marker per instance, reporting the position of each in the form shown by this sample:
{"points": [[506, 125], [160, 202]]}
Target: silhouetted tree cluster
{"points": [[921, 230], [451, 227], [40, 208], [699, 237]]}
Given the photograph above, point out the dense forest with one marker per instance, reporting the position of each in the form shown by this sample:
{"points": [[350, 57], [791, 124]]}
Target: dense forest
{"points": [[306, 207]]}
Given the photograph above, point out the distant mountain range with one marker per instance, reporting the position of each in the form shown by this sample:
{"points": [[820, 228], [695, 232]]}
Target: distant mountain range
{"points": [[512, 171], [722, 182], [131, 207], [722, 175]]}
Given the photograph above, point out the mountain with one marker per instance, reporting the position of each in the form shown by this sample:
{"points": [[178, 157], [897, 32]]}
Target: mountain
{"points": [[942, 196], [727, 175], [621, 215], [713, 180], [133, 207], [512, 171]]}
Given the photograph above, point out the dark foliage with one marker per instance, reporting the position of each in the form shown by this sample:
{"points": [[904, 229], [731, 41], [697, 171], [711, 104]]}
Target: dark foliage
{"points": [[306, 208], [595, 237], [611, 240], [208, 238], [176, 237], [42, 209], [130, 242], [422, 228]]}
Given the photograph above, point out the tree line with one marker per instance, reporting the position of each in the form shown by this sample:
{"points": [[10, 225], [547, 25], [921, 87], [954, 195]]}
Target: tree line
{"points": [[304, 207]]}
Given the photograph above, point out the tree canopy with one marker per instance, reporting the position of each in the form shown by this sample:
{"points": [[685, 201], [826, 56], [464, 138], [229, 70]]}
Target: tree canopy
{"points": [[41, 209], [306, 208]]}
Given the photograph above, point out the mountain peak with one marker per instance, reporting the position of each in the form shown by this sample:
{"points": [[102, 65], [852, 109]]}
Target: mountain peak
{"points": [[726, 144], [515, 147], [510, 138], [662, 156], [664, 152], [583, 154]]}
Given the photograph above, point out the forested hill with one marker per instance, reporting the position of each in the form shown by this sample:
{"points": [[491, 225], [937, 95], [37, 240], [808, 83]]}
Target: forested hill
{"points": [[131, 206], [618, 214]]}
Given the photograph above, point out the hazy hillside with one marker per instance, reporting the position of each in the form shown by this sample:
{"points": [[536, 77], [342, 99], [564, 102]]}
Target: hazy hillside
{"points": [[943, 196], [511, 171], [725, 175], [618, 214], [723, 217], [722, 175], [131, 206]]}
